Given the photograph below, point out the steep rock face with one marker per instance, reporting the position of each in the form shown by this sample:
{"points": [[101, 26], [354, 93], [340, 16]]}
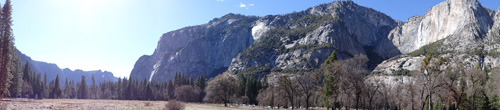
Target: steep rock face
{"points": [[465, 35], [208, 48], [295, 41], [464, 18], [496, 25], [344, 27]]}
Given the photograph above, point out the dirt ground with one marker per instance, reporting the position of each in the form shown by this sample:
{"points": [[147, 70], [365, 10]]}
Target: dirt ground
{"points": [[78, 104]]}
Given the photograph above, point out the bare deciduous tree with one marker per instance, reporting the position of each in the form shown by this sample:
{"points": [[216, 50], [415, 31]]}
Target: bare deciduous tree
{"points": [[221, 88]]}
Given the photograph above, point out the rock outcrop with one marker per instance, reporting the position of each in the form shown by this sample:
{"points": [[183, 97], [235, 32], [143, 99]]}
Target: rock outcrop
{"points": [[464, 18], [458, 30], [295, 41], [461, 31], [197, 50]]}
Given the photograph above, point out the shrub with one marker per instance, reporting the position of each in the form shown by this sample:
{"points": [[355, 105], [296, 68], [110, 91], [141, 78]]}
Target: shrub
{"points": [[147, 104], [174, 105]]}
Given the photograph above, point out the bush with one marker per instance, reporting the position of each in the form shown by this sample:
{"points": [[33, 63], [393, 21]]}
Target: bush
{"points": [[147, 104], [174, 105]]}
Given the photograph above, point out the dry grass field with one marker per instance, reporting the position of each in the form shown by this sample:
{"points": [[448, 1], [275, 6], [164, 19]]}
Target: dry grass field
{"points": [[77, 104]]}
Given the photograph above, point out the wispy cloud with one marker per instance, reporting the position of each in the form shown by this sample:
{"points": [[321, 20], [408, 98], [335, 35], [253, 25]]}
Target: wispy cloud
{"points": [[242, 5], [219, 0]]}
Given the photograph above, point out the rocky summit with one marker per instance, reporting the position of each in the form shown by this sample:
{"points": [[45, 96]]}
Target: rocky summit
{"points": [[301, 41]]}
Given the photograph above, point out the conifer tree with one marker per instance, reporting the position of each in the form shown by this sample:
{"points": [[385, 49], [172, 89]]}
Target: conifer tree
{"points": [[56, 91], [17, 80], [93, 88], [82, 89], [6, 40], [170, 90], [118, 91], [200, 82], [191, 80]]}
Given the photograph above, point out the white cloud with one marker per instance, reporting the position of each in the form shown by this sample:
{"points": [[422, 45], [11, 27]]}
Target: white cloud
{"points": [[242, 5]]}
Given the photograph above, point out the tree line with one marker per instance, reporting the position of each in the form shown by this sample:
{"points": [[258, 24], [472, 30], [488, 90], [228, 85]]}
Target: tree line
{"points": [[439, 83]]}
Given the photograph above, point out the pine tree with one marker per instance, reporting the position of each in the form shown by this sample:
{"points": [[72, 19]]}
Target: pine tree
{"points": [[329, 86], [6, 41], [191, 80], [241, 85], [56, 91], [118, 91], [149, 92], [17, 80], [124, 87], [170, 90], [26, 71], [46, 89], [38, 87], [82, 89], [93, 88], [200, 82], [183, 79], [65, 92]]}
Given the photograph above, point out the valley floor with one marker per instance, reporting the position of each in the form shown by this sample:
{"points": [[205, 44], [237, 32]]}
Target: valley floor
{"points": [[79, 104]]}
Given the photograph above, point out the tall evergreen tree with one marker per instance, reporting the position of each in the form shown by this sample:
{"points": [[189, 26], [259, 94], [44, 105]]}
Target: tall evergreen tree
{"points": [[170, 90], [6, 40], [124, 87], [329, 87], [118, 91], [200, 82], [148, 92], [38, 86], [46, 88], [242, 80], [93, 88], [82, 89], [56, 91], [17, 80], [191, 80]]}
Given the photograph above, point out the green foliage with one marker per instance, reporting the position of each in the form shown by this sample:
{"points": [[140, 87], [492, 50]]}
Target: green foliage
{"points": [[328, 89], [494, 102], [290, 70], [403, 72], [310, 47], [332, 58], [432, 49], [255, 70]]}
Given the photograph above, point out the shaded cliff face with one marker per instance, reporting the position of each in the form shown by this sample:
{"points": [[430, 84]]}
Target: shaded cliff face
{"points": [[197, 50], [461, 31], [246, 44]]}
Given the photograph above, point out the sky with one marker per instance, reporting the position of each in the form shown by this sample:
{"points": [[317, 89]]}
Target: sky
{"points": [[110, 35]]}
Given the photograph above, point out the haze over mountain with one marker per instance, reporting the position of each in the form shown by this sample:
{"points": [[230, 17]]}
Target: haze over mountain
{"points": [[301, 41], [52, 70]]}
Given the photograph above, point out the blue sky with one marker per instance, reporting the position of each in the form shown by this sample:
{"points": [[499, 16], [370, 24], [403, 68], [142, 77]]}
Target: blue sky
{"points": [[112, 34]]}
